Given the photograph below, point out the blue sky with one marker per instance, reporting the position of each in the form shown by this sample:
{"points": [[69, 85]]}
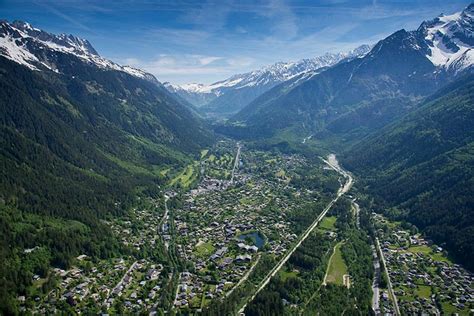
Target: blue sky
{"points": [[206, 41]]}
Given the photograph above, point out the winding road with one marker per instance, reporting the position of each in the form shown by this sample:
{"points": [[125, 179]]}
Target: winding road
{"points": [[332, 162]]}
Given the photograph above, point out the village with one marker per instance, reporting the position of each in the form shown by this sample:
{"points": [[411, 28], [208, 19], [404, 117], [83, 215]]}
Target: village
{"points": [[240, 207], [127, 283], [224, 227], [422, 276], [237, 212]]}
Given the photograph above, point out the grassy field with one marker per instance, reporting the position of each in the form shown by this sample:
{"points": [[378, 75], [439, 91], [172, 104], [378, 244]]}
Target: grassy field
{"points": [[164, 171], [423, 291], [328, 223], [245, 201], [284, 274], [204, 249], [337, 267], [185, 177], [449, 309], [436, 256], [204, 153]]}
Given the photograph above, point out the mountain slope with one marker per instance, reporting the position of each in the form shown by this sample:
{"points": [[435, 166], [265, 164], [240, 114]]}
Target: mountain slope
{"points": [[229, 96], [92, 117], [424, 166], [398, 68], [78, 142]]}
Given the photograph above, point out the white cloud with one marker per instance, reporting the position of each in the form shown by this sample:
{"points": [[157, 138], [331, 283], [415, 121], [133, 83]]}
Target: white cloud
{"points": [[163, 65], [206, 60], [134, 62]]}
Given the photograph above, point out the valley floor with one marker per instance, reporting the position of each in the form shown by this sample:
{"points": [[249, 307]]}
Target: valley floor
{"points": [[243, 229], [245, 210]]}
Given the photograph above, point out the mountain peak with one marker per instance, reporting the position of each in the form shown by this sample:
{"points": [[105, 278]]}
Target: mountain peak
{"points": [[450, 39], [230, 95], [38, 50], [67, 41]]}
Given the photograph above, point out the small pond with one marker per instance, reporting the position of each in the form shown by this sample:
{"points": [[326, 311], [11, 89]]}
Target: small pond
{"points": [[256, 238]]}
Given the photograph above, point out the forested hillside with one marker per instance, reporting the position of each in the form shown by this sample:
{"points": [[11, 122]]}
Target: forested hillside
{"points": [[421, 168], [344, 91], [355, 98], [75, 150]]}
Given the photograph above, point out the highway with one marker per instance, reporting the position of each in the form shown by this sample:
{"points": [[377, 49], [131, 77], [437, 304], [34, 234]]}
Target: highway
{"points": [[390, 288]]}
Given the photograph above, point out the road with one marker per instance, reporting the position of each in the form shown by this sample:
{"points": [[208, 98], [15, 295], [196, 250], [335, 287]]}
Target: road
{"points": [[132, 267], [390, 288], [164, 220], [236, 162], [331, 162], [306, 138], [245, 277]]}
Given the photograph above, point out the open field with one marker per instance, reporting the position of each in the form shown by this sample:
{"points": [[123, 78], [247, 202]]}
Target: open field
{"points": [[328, 223], [436, 256], [185, 177], [337, 267], [204, 249]]}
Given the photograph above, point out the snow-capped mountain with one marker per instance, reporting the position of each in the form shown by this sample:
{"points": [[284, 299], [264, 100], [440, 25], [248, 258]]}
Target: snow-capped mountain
{"points": [[40, 50], [283, 71], [369, 92], [193, 93], [450, 39], [230, 95], [446, 42]]}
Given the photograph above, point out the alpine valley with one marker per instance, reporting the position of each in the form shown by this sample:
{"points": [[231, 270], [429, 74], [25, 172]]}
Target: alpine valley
{"points": [[336, 184], [227, 97]]}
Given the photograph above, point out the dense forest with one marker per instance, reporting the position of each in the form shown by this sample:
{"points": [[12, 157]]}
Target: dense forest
{"points": [[76, 150], [421, 168]]}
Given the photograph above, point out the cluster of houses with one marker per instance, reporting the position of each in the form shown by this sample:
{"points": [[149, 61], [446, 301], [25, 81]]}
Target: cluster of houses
{"points": [[189, 288], [216, 214], [386, 303], [209, 184], [424, 281], [150, 220], [137, 300], [101, 283]]}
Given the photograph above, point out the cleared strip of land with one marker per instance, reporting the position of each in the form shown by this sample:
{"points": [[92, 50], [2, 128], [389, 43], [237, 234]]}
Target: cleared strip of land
{"points": [[337, 268]]}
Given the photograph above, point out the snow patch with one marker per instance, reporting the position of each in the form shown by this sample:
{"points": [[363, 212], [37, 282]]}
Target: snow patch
{"points": [[444, 29]]}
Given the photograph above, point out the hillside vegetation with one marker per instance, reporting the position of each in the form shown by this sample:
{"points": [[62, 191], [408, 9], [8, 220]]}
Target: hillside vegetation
{"points": [[422, 167]]}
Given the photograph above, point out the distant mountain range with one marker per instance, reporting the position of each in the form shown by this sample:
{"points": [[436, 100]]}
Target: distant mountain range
{"points": [[366, 93], [229, 96]]}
